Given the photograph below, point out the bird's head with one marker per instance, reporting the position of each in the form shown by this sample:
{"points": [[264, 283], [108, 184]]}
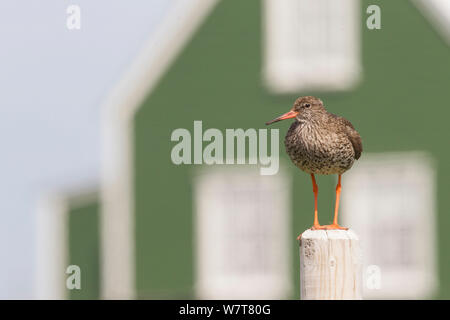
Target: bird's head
{"points": [[304, 108]]}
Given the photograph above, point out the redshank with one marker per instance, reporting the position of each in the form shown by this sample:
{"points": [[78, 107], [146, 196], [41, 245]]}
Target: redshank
{"points": [[319, 142]]}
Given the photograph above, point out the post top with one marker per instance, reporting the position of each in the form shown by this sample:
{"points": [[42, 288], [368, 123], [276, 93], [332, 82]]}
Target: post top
{"points": [[329, 235]]}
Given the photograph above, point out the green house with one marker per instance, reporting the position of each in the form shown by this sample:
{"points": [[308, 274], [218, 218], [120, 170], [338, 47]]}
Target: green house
{"points": [[160, 230]]}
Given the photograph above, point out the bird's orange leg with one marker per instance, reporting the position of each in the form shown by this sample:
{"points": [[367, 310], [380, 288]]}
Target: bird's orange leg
{"points": [[316, 225], [335, 225]]}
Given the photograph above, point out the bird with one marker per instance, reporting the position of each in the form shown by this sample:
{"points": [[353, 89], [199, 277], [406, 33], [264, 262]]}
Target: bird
{"points": [[319, 142]]}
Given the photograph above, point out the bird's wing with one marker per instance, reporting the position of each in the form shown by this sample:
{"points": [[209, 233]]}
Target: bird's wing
{"points": [[354, 138], [352, 135], [356, 141]]}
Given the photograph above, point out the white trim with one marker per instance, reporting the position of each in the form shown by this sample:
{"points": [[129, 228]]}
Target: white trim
{"points": [[437, 12], [117, 218], [51, 247]]}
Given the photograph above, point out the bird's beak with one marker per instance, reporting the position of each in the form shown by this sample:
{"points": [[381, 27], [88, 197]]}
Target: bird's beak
{"points": [[288, 115]]}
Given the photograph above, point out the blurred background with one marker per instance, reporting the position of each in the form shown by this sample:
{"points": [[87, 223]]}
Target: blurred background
{"points": [[86, 123]]}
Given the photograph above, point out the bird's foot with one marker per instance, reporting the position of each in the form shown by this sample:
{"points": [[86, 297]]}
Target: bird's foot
{"points": [[334, 226], [318, 227]]}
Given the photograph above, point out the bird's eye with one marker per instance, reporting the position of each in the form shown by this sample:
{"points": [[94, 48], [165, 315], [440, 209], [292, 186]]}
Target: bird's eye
{"points": [[307, 105]]}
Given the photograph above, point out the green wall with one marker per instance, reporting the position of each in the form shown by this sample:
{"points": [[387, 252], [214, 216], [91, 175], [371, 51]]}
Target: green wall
{"points": [[401, 104]]}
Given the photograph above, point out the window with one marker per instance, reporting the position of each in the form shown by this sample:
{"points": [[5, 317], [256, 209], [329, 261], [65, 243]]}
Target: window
{"points": [[311, 45], [389, 201], [243, 234]]}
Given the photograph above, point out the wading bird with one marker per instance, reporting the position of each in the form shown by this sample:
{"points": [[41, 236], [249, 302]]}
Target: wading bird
{"points": [[319, 142]]}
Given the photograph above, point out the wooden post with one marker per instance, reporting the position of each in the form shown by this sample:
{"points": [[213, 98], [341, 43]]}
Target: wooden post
{"points": [[330, 265]]}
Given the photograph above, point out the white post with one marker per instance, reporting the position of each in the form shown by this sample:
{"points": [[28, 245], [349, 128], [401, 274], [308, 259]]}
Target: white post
{"points": [[330, 265]]}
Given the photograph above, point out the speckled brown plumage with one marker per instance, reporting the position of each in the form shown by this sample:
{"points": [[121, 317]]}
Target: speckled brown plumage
{"points": [[320, 142]]}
